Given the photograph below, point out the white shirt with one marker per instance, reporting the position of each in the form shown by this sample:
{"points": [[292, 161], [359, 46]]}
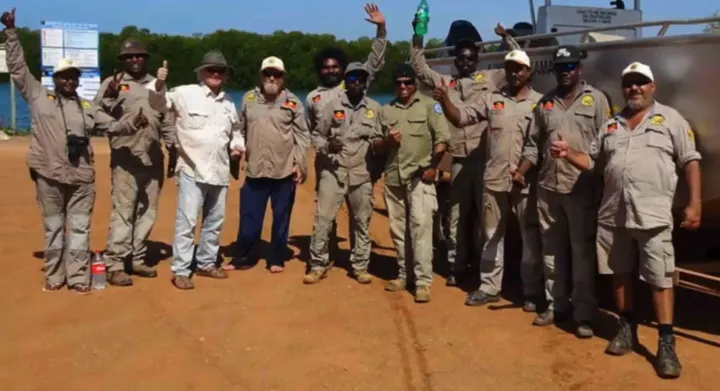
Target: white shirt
{"points": [[206, 124]]}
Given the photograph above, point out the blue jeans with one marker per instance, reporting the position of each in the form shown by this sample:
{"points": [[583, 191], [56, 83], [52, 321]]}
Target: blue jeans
{"points": [[192, 196], [254, 196]]}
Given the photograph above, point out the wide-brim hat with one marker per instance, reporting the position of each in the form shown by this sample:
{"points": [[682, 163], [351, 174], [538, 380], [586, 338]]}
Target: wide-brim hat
{"points": [[213, 59], [66, 64], [132, 46]]}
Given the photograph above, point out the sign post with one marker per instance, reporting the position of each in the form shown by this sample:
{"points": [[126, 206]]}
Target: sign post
{"points": [[4, 69], [78, 42]]}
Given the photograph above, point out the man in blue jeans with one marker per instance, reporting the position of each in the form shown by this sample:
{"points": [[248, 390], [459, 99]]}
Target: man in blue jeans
{"points": [[272, 120], [207, 126]]}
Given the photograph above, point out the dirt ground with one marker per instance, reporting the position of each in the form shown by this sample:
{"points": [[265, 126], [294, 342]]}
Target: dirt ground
{"points": [[257, 331]]}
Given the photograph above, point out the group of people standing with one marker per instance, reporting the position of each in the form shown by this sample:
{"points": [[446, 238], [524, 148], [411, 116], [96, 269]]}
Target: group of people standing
{"points": [[576, 176]]}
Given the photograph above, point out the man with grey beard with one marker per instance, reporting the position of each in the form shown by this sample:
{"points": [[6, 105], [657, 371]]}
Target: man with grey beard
{"points": [[638, 152], [272, 120]]}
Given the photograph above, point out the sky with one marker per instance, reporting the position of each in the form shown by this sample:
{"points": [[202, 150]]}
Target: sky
{"points": [[343, 18]]}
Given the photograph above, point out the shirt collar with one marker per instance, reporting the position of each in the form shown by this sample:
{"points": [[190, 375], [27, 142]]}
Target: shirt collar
{"points": [[208, 92]]}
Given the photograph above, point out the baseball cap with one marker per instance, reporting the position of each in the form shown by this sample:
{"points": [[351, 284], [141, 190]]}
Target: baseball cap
{"points": [[519, 57], [403, 70], [355, 67], [639, 68], [567, 54], [64, 65], [274, 63]]}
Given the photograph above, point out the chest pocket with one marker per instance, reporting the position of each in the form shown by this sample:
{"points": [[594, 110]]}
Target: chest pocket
{"points": [[659, 138], [198, 117], [418, 124], [283, 118], [366, 129], [498, 116], [584, 119]]}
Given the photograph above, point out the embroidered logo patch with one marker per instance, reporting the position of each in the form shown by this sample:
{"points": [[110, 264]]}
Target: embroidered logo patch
{"points": [[369, 114], [498, 105], [86, 104], [290, 104], [124, 87], [478, 77], [587, 100], [548, 105], [339, 114], [51, 97], [612, 127], [438, 108], [657, 119], [316, 98], [453, 83], [251, 97], [691, 135]]}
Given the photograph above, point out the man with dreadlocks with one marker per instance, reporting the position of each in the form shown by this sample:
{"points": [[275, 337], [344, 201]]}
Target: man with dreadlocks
{"points": [[330, 64]]}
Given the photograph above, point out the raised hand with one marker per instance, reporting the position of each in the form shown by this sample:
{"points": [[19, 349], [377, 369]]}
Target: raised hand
{"points": [[8, 19], [162, 74], [500, 30], [113, 88], [441, 92], [375, 16]]}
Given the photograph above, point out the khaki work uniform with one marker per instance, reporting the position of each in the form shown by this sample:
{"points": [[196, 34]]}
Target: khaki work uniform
{"points": [[136, 162], [345, 176], [509, 122], [639, 171], [468, 152], [568, 198], [423, 126], [65, 189], [277, 139]]}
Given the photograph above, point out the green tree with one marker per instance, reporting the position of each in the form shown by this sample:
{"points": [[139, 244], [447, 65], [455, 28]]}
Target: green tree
{"points": [[243, 50]]}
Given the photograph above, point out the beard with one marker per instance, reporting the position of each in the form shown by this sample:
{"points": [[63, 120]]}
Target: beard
{"points": [[330, 80], [271, 88]]}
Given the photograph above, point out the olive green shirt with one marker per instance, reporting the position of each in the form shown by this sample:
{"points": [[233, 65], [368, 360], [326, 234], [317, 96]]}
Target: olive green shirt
{"points": [[423, 126]]}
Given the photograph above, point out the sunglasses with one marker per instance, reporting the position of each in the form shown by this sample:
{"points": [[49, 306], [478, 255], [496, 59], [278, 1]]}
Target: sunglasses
{"points": [[409, 82], [216, 70], [569, 67], [272, 73], [635, 82], [354, 80]]}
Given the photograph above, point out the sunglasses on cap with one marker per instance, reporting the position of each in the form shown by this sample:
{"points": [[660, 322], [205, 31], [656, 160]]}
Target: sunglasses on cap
{"points": [[407, 82], [272, 73], [566, 67]]}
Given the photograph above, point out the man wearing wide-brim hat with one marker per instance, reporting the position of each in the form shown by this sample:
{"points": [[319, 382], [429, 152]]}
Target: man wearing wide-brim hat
{"points": [[137, 165], [207, 125]]}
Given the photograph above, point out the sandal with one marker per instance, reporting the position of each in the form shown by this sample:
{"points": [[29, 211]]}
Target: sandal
{"points": [[81, 289], [183, 282], [53, 287]]}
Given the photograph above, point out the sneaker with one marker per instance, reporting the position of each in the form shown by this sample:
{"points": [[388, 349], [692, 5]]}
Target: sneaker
{"points": [[422, 294], [395, 285], [314, 277], [363, 277], [667, 364], [480, 298], [142, 270], [584, 330], [119, 278]]}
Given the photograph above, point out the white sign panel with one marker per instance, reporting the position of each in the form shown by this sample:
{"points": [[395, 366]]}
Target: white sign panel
{"points": [[77, 41], [3, 62]]}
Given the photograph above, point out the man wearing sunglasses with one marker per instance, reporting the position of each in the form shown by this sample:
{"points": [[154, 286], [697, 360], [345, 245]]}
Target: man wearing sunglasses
{"points": [[342, 136], [272, 119], [567, 196], [414, 136], [509, 113], [330, 64], [468, 157], [60, 159], [137, 165], [207, 126], [638, 152]]}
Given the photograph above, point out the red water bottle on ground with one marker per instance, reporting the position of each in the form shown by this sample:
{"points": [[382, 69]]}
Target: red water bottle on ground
{"points": [[97, 270]]}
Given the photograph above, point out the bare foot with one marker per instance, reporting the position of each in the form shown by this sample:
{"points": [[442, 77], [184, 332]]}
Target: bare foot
{"points": [[276, 269], [229, 267]]}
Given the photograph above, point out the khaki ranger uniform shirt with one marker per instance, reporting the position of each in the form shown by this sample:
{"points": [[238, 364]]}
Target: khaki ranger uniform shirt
{"points": [[320, 96], [143, 147], [423, 126], [579, 126], [276, 134], [509, 122], [639, 167], [463, 141], [53, 119], [354, 126]]}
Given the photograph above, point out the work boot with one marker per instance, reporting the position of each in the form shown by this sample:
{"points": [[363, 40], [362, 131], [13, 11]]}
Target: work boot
{"points": [[480, 298], [363, 277], [119, 278], [422, 294], [550, 317], [395, 285], [314, 277], [145, 271], [584, 330], [625, 339], [667, 364], [530, 304]]}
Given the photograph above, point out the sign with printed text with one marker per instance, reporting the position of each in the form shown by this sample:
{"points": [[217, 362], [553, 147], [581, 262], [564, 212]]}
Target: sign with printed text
{"points": [[3, 62], [78, 42]]}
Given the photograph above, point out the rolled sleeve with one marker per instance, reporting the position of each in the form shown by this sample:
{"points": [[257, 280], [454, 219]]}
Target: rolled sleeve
{"points": [[684, 143]]}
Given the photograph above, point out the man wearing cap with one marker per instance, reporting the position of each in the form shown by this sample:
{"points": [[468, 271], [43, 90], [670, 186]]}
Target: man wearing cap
{"points": [[509, 113], [468, 157], [61, 161], [414, 136], [638, 152], [330, 64], [207, 127], [272, 119], [342, 135], [567, 196], [137, 165]]}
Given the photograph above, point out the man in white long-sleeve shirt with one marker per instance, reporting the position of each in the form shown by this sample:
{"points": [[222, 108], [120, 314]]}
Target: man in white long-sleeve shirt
{"points": [[207, 124]]}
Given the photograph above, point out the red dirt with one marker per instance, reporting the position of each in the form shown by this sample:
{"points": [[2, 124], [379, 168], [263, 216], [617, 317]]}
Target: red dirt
{"points": [[258, 331]]}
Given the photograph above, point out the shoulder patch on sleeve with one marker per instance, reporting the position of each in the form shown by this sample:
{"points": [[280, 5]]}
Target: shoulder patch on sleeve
{"points": [[657, 119], [316, 98], [51, 96], [478, 77], [691, 134], [437, 108], [86, 104], [291, 104], [587, 100], [250, 97], [369, 114]]}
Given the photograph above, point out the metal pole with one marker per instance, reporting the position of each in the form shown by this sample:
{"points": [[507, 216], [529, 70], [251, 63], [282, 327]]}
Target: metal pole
{"points": [[637, 5], [13, 114], [532, 16]]}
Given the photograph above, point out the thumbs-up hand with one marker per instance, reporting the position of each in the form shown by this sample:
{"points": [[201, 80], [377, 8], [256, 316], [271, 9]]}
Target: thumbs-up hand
{"points": [[161, 76], [140, 121], [441, 92], [559, 147]]}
